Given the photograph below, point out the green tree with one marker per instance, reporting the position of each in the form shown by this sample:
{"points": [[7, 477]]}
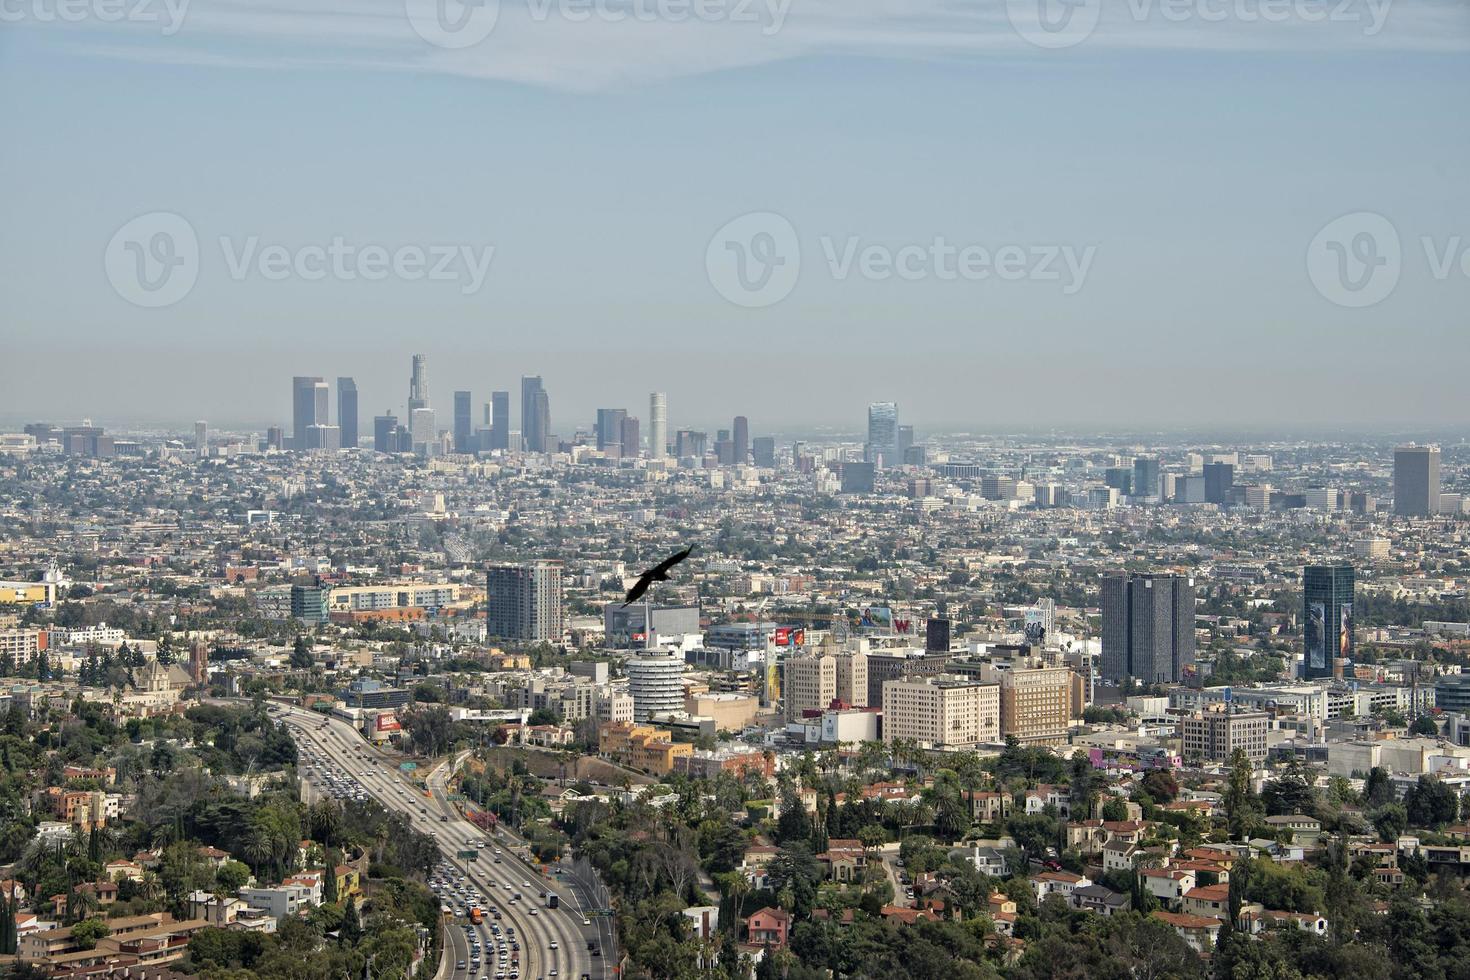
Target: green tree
{"points": [[88, 931]]}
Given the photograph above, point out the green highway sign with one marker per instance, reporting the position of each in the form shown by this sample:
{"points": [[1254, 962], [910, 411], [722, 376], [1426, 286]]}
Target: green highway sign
{"points": [[470, 855]]}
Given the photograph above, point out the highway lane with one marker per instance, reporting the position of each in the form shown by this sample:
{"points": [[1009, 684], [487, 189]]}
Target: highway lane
{"points": [[579, 890], [340, 743], [381, 779]]}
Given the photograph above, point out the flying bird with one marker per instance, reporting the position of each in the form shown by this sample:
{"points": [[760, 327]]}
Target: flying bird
{"points": [[658, 573]]}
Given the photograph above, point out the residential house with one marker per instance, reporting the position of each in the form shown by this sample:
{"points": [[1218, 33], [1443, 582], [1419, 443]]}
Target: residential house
{"points": [[1097, 898], [768, 927], [1057, 883], [1198, 931]]}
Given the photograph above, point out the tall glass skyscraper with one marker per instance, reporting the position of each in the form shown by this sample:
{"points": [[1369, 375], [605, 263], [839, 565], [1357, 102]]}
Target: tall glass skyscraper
{"points": [[658, 425], [347, 411], [882, 446], [500, 420], [1327, 618], [741, 440], [463, 428], [610, 427], [1147, 627], [1416, 481], [308, 407], [535, 415], [418, 384]]}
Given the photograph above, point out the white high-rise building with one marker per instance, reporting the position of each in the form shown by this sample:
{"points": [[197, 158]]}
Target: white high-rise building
{"points": [[656, 681], [658, 425]]}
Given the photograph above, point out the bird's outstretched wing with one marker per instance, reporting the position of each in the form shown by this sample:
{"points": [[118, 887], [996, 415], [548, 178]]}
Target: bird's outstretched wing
{"points": [[671, 561], [639, 587]]}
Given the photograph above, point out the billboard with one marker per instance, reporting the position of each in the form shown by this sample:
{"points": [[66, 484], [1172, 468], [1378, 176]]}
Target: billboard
{"points": [[871, 619], [1345, 631], [789, 636], [387, 722], [1316, 635]]}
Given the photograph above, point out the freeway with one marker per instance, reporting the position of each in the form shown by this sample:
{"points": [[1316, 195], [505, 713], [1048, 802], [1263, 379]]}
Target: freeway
{"points": [[553, 941]]}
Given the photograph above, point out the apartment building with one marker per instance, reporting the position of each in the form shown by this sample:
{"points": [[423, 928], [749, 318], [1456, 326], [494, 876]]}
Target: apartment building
{"points": [[644, 747], [810, 684], [1213, 734], [942, 712], [1036, 701]]}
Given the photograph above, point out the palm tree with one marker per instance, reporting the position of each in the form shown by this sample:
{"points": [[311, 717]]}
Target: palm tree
{"points": [[149, 887], [258, 848]]}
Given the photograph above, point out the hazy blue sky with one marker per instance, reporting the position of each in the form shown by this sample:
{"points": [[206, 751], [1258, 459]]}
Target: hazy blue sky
{"points": [[1185, 156]]}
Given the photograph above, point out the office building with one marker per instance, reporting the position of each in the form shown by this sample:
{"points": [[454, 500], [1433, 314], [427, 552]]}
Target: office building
{"points": [[630, 439], [1147, 477], [347, 411], [906, 445], [882, 446], [656, 681], [308, 407], [1327, 619], [690, 444], [500, 420], [1416, 481], [535, 415], [385, 433], [1148, 627], [658, 425], [201, 439], [422, 430], [943, 713], [628, 627], [610, 428], [1219, 481], [463, 425], [275, 437], [763, 451], [857, 477], [323, 438], [309, 602], [523, 602], [901, 665], [1213, 735], [809, 684], [1035, 701], [937, 635], [741, 440], [418, 384]]}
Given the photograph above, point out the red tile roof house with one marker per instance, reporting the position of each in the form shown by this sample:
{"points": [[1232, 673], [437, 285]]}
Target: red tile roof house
{"points": [[1196, 930], [1168, 885], [897, 913], [844, 859], [1057, 883], [768, 927], [1208, 900]]}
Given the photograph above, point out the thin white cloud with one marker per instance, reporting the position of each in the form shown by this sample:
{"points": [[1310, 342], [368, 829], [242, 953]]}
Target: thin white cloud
{"points": [[593, 45]]}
